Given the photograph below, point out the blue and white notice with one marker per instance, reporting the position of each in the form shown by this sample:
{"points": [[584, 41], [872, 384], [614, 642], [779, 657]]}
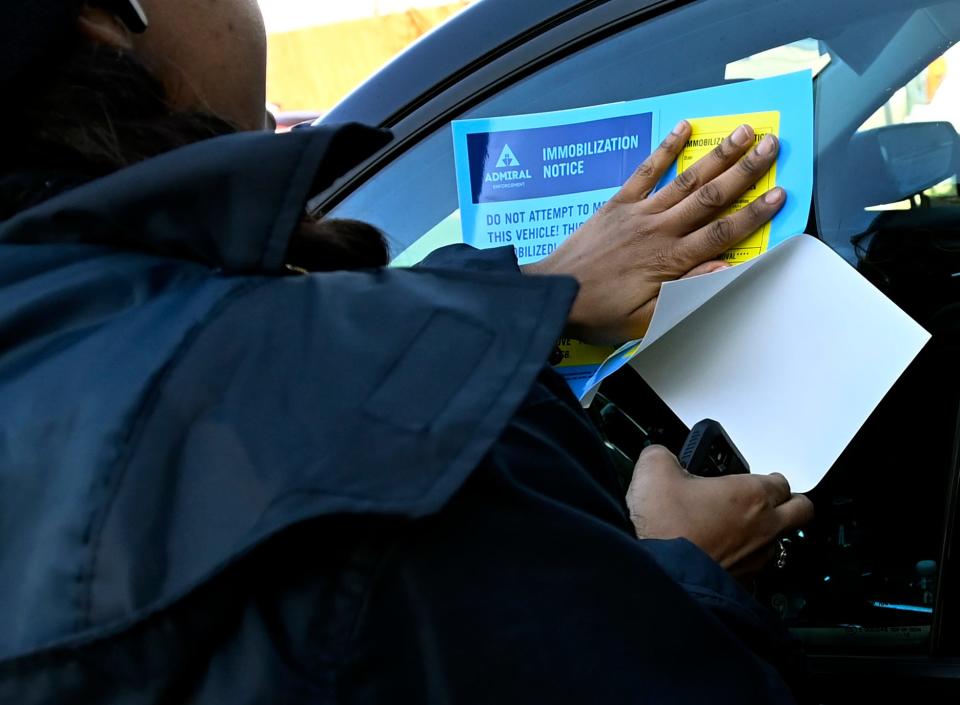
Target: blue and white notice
{"points": [[532, 187], [531, 180]]}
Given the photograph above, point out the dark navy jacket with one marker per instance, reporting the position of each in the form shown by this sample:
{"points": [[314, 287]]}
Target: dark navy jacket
{"points": [[223, 484]]}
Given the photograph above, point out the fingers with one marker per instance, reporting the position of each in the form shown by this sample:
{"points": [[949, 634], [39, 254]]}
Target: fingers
{"points": [[776, 486], [721, 235], [648, 174], [795, 512], [715, 196], [704, 171], [794, 509]]}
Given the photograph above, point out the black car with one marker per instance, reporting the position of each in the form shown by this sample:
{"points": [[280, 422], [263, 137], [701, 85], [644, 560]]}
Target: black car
{"points": [[870, 586]]}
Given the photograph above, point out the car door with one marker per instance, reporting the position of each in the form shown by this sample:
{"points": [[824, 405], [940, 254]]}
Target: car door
{"points": [[868, 587]]}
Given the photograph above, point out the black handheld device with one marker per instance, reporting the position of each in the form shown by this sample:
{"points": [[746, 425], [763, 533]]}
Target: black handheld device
{"points": [[709, 452]]}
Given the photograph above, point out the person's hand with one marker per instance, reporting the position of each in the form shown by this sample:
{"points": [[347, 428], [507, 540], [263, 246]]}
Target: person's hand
{"points": [[637, 241], [734, 519]]}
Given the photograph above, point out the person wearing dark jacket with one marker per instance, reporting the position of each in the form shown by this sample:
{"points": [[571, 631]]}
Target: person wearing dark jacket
{"points": [[224, 481]]}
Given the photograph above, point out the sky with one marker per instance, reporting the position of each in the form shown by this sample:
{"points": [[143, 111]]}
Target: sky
{"points": [[287, 15]]}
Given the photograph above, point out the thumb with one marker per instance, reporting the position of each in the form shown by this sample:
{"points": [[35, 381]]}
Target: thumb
{"points": [[656, 471], [706, 268], [657, 459], [640, 320]]}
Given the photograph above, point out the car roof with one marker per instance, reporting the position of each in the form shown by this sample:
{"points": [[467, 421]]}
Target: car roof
{"points": [[474, 37]]}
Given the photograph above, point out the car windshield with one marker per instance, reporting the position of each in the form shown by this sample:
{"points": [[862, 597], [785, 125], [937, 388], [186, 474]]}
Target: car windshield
{"points": [[887, 109]]}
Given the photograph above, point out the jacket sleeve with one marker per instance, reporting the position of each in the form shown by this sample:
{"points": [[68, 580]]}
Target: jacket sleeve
{"points": [[531, 587], [713, 589], [465, 257]]}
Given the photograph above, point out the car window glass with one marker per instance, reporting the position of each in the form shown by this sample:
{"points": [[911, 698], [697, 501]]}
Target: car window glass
{"points": [[931, 96], [796, 56], [862, 578]]}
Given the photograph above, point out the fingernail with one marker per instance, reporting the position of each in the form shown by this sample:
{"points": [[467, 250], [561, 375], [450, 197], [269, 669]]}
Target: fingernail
{"points": [[765, 148], [681, 126], [742, 136], [774, 196]]}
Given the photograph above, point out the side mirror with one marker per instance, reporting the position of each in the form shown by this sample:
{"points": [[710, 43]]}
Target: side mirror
{"points": [[893, 163]]}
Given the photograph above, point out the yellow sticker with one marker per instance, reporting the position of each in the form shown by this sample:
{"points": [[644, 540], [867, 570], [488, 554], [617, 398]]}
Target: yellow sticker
{"points": [[709, 132], [577, 354]]}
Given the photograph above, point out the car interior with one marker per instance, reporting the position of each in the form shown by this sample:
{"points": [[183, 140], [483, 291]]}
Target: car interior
{"points": [[867, 577]]}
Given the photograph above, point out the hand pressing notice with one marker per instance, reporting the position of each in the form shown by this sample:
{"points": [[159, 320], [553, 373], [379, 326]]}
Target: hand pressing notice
{"points": [[641, 239]]}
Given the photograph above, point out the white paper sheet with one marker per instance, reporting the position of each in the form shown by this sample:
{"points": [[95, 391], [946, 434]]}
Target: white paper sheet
{"points": [[790, 352]]}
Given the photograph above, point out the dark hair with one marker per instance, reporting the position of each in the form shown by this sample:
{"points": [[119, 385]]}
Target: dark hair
{"points": [[100, 110], [320, 245], [97, 111]]}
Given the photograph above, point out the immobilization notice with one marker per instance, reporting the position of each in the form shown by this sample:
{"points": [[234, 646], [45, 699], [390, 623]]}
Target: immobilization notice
{"points": [[530, 181]]}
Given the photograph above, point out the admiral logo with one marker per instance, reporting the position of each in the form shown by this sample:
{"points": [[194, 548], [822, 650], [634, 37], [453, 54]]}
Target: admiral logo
{"points": [[509, 172], [507, 158]]}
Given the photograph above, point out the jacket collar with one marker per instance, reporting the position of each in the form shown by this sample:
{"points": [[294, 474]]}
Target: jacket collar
{"points": [[231, 202]]}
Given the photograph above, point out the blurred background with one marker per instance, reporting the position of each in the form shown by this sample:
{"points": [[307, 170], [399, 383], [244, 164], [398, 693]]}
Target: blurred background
{"points": [[321, 50]]}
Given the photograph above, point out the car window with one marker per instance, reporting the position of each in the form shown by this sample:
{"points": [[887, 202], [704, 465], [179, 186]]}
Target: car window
{"points": [[863, 577], [930, 97]]}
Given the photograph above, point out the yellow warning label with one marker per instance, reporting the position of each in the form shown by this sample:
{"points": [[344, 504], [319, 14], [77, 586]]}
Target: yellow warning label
{"points": [[577, 354], [709, 132]]}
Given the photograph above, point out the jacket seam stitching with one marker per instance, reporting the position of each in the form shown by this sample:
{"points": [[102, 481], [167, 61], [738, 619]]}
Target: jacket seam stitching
{"points": [[363, 604], [115, 478], [484, 416], [98, 522], [286, 208]]}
